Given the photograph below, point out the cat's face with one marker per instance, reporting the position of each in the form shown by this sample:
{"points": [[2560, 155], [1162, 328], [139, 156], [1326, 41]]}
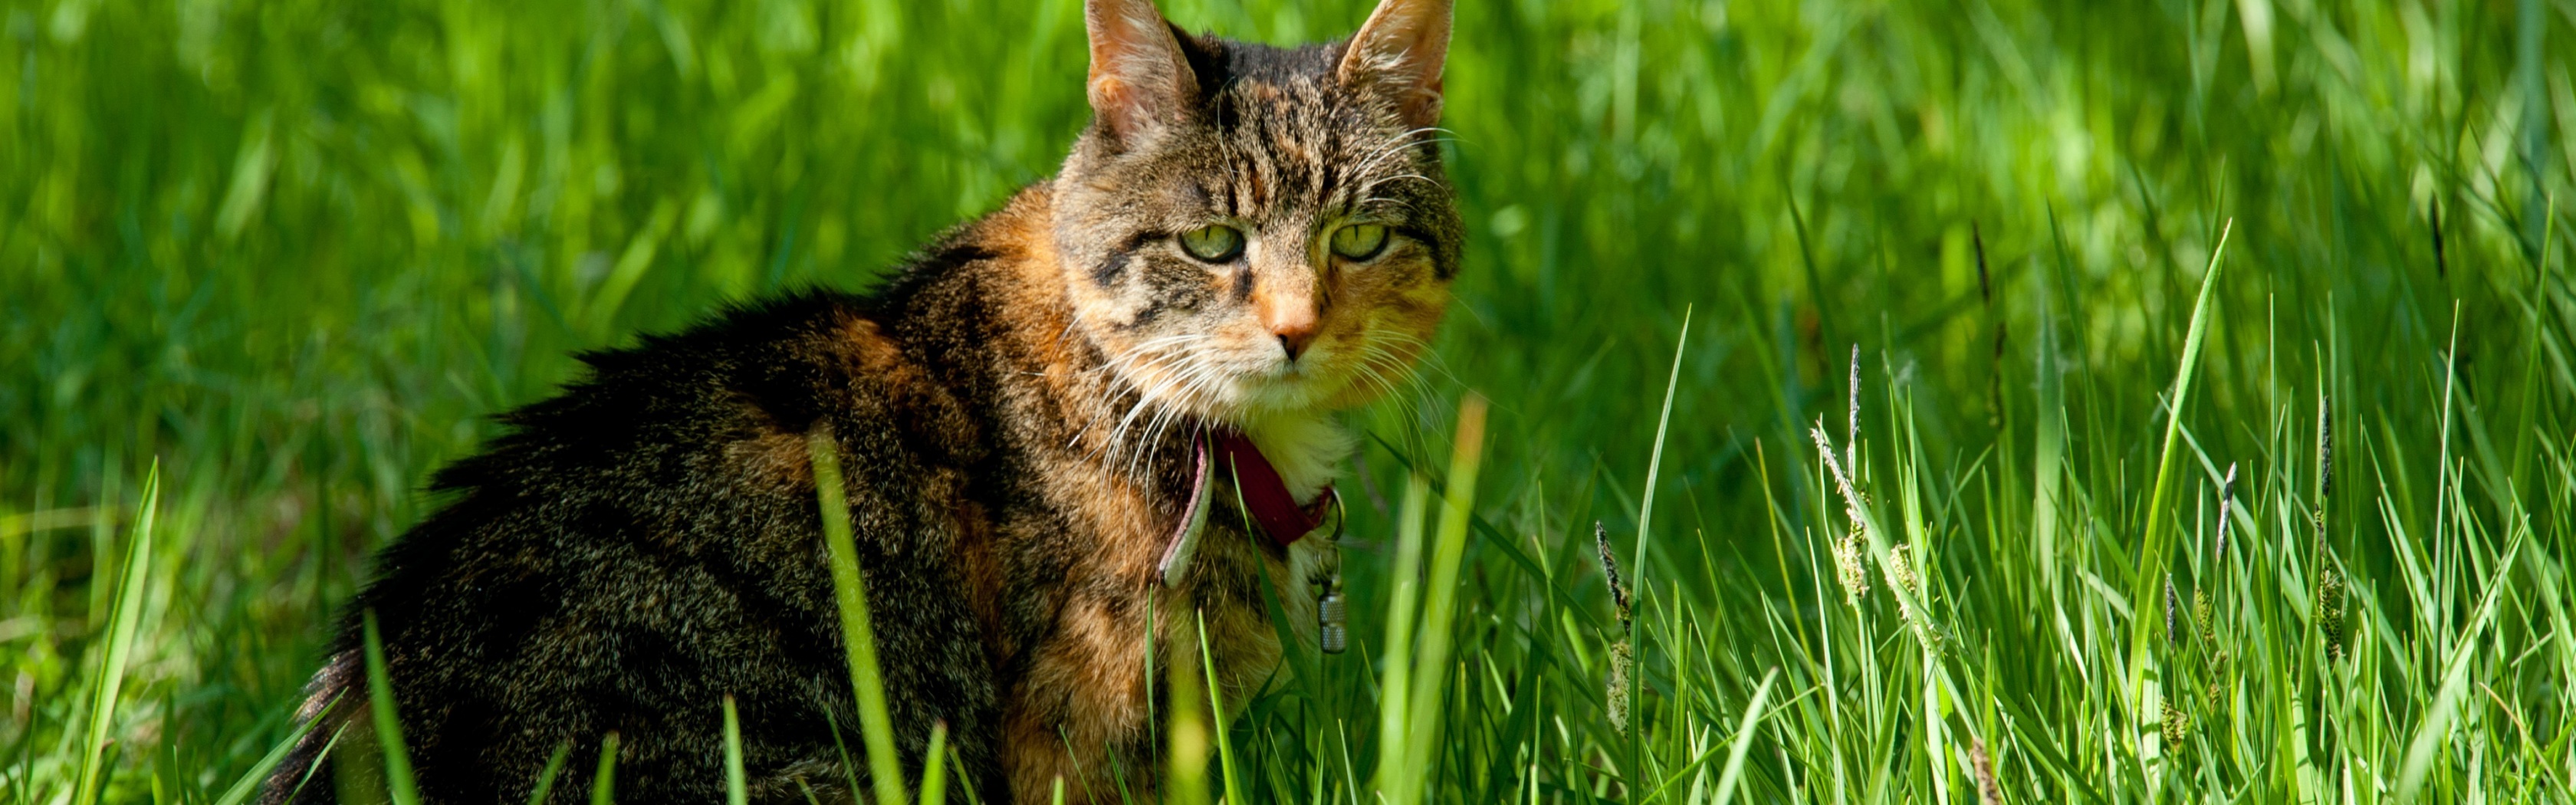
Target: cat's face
{"points": [[1248, 230]]}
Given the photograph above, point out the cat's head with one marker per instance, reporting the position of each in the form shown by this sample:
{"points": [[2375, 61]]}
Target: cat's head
{"points": [[1248, 230]]}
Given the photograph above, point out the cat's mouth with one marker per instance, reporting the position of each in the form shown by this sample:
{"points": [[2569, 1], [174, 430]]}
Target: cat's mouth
{"points": [[1287, 386], [1218, 389], [1235, 380], [1324, 377]]}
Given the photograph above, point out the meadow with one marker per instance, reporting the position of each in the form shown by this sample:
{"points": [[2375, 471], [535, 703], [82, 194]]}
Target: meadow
{"points": [[1983, 400]]}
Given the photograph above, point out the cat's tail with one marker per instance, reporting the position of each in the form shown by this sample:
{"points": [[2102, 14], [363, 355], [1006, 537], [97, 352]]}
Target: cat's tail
{"points": [[336, 694]]}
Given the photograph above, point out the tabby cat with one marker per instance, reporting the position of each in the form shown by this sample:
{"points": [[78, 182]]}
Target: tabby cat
{"points": [[1245, 240]]}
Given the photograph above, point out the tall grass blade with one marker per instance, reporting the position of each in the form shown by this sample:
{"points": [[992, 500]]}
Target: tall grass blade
{"points": [[1396, 688], [1216, 718], [109, 678], [934, 767], [1185, 775], [333, 743], [1744, 737], [1645, 530], [2151, 554], [858, 639], [1439, 612], [2048, 450], [554, 770], [603, 779], [737, 787], [249, 783], [2436, 727], [399, 785]]}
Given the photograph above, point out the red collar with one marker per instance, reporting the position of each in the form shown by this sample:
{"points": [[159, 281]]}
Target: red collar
{"points": [[1265, 496]]}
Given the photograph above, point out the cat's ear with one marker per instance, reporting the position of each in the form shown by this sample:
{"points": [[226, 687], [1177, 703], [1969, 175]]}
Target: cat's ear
{"points": [[1140, 82], [1399, 52]]}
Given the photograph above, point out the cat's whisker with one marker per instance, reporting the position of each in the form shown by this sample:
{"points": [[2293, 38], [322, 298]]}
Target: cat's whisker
{"points": [[1423, 353], [1116, 380], [1376, 362], [1401, 145], [1413, 137], [1143, 352], [1148, 348], [1373, 198], [1402, 148], [1368, 375], [1152, 432], [1116, 437], [1111, 446], [1107, 448], [1165, 416]]}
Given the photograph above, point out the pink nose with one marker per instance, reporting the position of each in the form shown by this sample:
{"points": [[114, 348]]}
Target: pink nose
{"points": [[1289, 311], [1293, 337]]}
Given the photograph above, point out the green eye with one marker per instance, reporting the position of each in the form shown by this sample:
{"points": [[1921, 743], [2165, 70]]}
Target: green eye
{"points": [[1359, 241], [1215, 243]]}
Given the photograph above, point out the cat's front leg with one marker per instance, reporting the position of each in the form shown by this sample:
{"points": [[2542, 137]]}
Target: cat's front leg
{"points": [[1079, 712]]}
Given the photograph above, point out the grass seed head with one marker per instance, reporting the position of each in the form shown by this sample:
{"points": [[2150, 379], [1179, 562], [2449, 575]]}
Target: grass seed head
{"points": [[2218, 674], [1610, 571], [2325, 452], [2177, 725], [1849, 570], [2226, 502], [1900, 568], [1841, 472], [1988, 792], [1617, 699], [2330, 612], [2201, 616], [1901, 575], [1847, 553], [1851, 439], [1621, 653], [2171, 605]]}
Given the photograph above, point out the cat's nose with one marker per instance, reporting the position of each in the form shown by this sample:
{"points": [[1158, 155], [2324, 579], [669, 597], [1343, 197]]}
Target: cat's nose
{"points": [[1294, 334], [1286, 302], [1292, 321]]}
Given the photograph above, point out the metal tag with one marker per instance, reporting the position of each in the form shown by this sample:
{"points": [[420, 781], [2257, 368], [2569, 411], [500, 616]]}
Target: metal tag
{"points": [[1332, 630], [1332, 622]]}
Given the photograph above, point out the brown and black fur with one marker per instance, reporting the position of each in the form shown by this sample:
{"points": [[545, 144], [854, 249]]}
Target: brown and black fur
{"points": [[1013, 426]]}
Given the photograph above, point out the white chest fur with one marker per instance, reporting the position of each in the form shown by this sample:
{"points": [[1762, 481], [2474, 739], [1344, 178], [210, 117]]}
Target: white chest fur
{"points": [[1308, 449]]}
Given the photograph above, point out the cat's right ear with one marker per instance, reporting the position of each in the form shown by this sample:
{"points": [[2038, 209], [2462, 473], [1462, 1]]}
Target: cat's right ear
{"points": [[1400, 52], [1140, 82]]}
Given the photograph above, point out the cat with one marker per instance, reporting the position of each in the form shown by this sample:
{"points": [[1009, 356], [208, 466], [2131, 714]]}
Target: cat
{"points": [[1244, 241]]}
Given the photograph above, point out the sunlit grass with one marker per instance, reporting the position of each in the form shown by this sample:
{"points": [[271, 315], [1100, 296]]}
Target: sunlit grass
{"points": [[296, 251]]}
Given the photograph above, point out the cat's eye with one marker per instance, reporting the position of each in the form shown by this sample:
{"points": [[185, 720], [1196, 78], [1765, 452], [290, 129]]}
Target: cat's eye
{"points": [[1215, 243], [1359, 241]]}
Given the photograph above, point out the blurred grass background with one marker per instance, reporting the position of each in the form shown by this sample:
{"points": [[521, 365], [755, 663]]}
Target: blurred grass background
{"points": [[299, 251]]}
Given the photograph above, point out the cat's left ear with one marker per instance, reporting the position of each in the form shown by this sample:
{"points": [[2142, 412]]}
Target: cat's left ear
{"points": [[1140, 83], [1399, 52]]}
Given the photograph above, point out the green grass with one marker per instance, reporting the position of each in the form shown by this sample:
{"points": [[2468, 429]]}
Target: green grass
{"points": [[297, 251], [859, 642]]}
